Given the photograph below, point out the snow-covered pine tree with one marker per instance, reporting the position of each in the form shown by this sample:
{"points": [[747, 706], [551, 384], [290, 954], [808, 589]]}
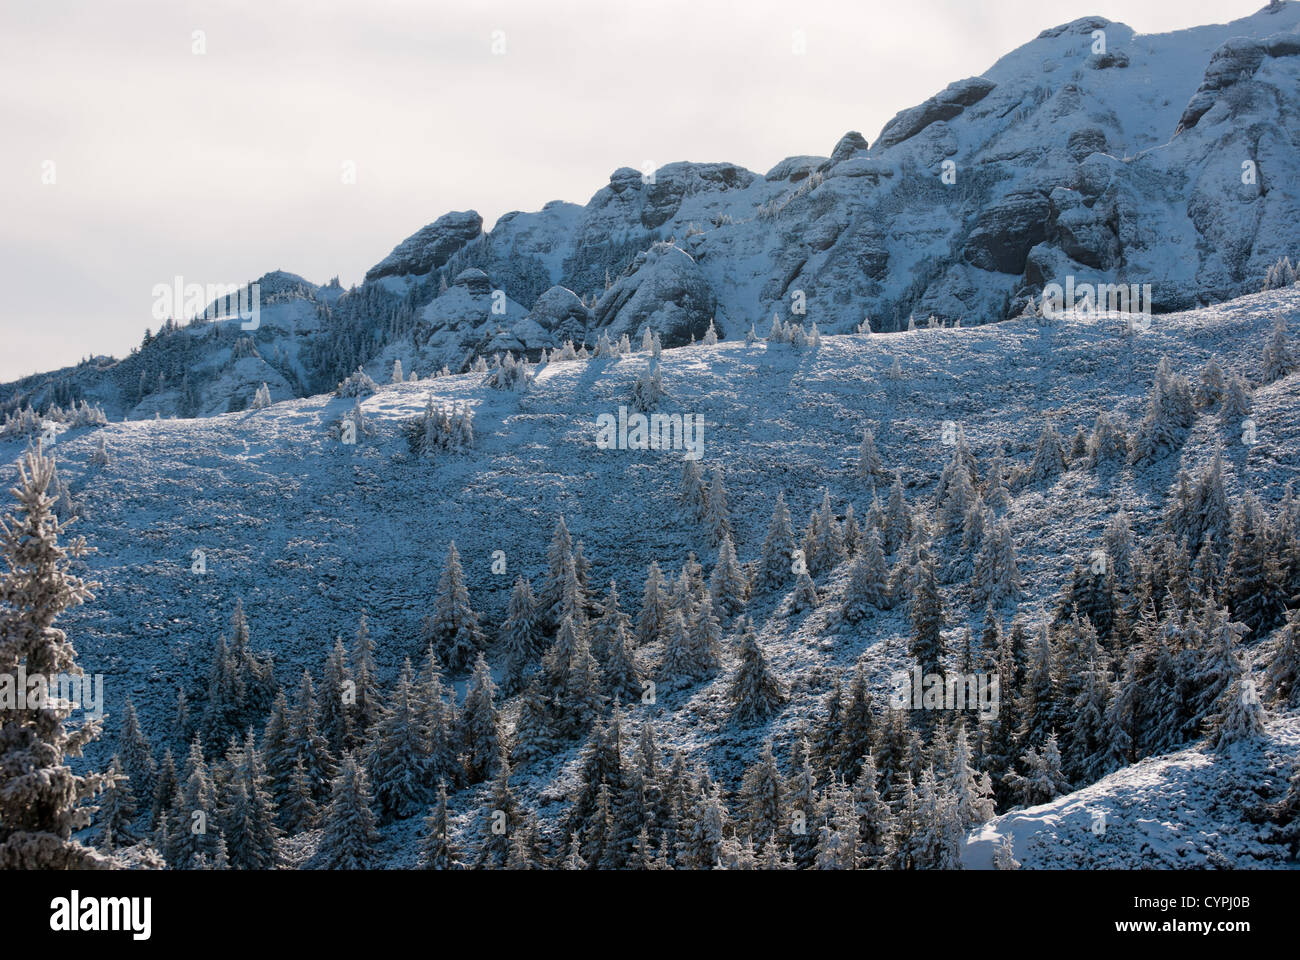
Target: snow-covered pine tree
{"points": [[691, 493], [1107, 444], [453, 629], [717, 515], [41, 809], [869, 466], [996, 578], [1277, 360], [778, 548], [652, 621], [1253, 577], [349, 840], [398, 376], [307, 740], [1170, 411], [395, 763], [440, 852], [298, 810], [926, 644], [1049, 458], [1042, 780], [365, 701], [550, 592], [727, 584], [755, 693], [136, 754], [480, 724], [1211, 384], [1282, 677], [117, 809], [898, 519], [520, 636], [333, 720], [248, 812], [502, 815], [868, 587]]}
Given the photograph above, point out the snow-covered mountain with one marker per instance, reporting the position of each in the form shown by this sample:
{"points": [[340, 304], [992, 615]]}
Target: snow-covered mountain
{"points": [[1091, 151]]}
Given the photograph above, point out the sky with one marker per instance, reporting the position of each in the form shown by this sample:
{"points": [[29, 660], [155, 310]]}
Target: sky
{"points": [[148, 139]]}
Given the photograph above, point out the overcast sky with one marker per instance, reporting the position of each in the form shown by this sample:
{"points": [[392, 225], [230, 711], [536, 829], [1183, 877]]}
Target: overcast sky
{"points": [[222, 165]]}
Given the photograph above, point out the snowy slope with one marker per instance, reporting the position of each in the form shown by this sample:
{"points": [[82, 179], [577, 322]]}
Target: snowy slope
{"points": [[310, 533]]}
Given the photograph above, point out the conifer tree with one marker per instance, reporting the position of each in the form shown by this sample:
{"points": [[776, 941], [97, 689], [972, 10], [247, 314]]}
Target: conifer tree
{"points": [[778, 548], [653, 618], [898, 520], [164, 789], [1042, 780], [365, 705], [762, 796], [717, 515], [996, 577], [869, 466], [298, 810], [349, 840], [868, 587], [333, 720], [691, 493], [395, 763], [307, 741], [1283, 675], [440, 853], [727, 584], [117, 809], [248, 814], [481, 736], [502, 815], [755, 693], [926, 644], [136, 754], [1277, 360], [454, 629], [42, 802]]}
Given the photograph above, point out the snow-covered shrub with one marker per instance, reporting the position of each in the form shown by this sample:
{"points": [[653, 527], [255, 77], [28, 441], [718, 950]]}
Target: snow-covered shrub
{"points": [[359, 384], [261, 399], [511, 375], [84, 414], [438, 431], [1277, 360], [648, 389], [24, 422], [1281, 274]]}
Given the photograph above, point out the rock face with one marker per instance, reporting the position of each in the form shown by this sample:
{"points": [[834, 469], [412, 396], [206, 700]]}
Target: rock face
{"points": [[945, 105], [662, 288], [429, 247], [1166, 159]]}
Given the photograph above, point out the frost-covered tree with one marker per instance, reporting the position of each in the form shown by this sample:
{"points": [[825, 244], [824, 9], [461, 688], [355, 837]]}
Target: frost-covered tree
{"points": [[1211, 384], [653, 618], [775, 562], [1107, 444], [520, 636], [926, 644], [395, 764], [1277, 360], [1042, 780], [398, 376], [868, 587], [349, 840], [869, 465], [728, 585], [692, 493], [1254, 574], [1283, 675], [648, 389], [365, 705], [440, 852], [717, 515], [898, 519], [42, 801], [1004, 857], [137, 756], [1049, 457], [996, 579], [755, 693], [1170, 411], [480, 724], [333, 719], [248, 813], [453, 629], [117, 809]]}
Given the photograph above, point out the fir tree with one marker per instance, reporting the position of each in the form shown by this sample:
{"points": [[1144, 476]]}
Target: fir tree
{"points": [[727, 584], [778, 549], [454, 629], [653, 618], [349, 840], [755, 693], [395, 763], [481, 736], [41, 808], [440, 853]]}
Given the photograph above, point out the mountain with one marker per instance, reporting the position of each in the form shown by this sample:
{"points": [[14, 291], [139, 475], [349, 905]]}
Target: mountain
{"points": [[1090, 152]]}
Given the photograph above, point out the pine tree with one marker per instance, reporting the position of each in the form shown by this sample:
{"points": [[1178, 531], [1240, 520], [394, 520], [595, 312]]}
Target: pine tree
{"points": [[692, 493], [365, 692], [332, 717], [551, 589], [926, 645], [41, 808], [117, 809], [762, 796], [778, 549], [755, 693], [996, 578], [395, 763], [1253, 574], [195, 811], [868, 586], [938, 841], [869, 466], [164, 789], [440, 853], [653, 618], [454, 629], [502, 814], [717, 515], [480, 725], [1043, 780], [248, 814], [349, 840], [298, 809], [1277, 360], [137, 756], [898, 520], [307, 741], [1283, 675], [1004, 857], [727, 584], [1049, 457]]}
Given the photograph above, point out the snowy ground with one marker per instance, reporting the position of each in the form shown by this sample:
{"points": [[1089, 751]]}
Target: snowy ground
{"points": [[311, 533]]}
